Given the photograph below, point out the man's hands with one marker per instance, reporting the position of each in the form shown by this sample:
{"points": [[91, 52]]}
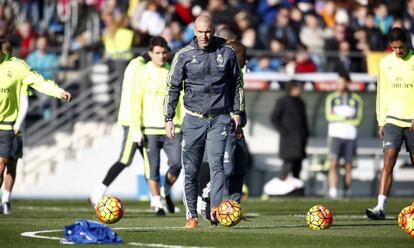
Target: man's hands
{"points": [[66, 96], [381, 131], [236, 121], [170, 129], [138, 138]]}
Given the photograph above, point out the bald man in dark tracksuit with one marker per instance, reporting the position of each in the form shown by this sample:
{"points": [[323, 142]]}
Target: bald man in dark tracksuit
{"points": [[208, 71]]}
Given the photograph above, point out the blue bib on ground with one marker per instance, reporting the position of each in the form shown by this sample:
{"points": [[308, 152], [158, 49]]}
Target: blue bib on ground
{"points": [[90, 232]]}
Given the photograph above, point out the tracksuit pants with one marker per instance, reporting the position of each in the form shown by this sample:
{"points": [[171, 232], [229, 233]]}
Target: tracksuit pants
{"points": [[201, 133]]}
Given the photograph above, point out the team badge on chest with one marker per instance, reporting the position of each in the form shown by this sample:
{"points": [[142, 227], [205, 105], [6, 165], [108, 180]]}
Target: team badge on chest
{"points": [[220, 60]]}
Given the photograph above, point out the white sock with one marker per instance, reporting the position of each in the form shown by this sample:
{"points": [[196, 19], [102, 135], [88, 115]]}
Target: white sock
{"points": [[333, 193], [98, 193], [382, 201], [5, 197], [156, 202]]}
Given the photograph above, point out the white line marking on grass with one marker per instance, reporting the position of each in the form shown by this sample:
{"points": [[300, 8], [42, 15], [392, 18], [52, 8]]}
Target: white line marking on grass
{"points": [[148, 228], [35, 234], [162, 245], [82, 209], [336, 216]]}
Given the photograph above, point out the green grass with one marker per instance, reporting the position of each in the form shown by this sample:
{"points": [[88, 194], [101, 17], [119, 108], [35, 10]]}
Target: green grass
{"points": [[273, 223]]}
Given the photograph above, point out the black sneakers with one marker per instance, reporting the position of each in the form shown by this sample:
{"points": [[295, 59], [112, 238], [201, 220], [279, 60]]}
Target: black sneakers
{"points": [[205, 209], [170, 204], [6, 208], [374, 214], [160, 212]]}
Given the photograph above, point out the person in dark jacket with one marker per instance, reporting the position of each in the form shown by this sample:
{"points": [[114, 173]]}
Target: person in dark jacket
{"points": [[289, 119], [208, 71]]}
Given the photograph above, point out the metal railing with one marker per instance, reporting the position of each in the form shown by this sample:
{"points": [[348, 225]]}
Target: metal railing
{"points": [[83, 107]]}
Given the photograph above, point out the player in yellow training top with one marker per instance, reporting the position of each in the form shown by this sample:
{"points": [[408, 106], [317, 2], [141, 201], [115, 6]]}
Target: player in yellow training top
{"points": [[147, 106], [395, 111], [16, 76]]}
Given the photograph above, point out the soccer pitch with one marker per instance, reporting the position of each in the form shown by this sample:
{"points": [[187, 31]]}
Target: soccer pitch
{"points": [[278, 222]]}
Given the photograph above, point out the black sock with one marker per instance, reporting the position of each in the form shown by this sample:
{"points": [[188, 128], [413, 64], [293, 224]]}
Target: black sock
{"points": [[113, 172]]}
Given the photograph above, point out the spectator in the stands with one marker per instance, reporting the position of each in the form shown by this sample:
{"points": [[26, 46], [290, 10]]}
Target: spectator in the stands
{"points": [[243, 20], [86, 25], [183, 11], [44, 62], [152, 21], [376, 40], [312, 35], [296, 19], [344, 62], [328, 13], [302, 62], [340, 33], [281, 29], [274, 62], [408, 19], [358, 17], [383, 20], [220, 11], [249, 38], [26, 38]]}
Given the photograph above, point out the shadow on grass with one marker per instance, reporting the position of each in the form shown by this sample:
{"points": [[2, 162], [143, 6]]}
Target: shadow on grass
{"points": [[369, 224]]}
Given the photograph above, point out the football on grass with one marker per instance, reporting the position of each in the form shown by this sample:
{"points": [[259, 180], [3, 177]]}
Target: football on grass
{"points": [[319, 217], [229, 213], [406, 220], [109, 210]]}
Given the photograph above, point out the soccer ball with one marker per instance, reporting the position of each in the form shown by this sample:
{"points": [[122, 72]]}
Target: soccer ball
{"points": [[406, 220], [229, 213], [319, 217], [109, 210]]}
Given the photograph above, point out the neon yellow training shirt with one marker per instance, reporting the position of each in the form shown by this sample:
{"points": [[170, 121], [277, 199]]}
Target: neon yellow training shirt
{"points": [[124, 114], [147, 101], [14, 75], [395, 91]]}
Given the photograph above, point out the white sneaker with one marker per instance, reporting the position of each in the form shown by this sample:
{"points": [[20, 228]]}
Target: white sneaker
{"points": [[203, 207], [94, 199], [278, 187]]}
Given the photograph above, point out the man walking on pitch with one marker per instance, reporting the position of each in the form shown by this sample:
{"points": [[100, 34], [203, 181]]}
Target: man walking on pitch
{"points": [[129, 146], [210, 75], [16, 77], [147, 108], [395, 111]]}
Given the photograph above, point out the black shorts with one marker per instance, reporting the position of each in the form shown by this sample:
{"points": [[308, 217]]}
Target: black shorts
{"points": [[394, 136], [342, 148], [152, 152], [6, 143]]}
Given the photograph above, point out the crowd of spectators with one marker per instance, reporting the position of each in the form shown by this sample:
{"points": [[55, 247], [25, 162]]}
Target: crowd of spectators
{"points": [[292, 36]]}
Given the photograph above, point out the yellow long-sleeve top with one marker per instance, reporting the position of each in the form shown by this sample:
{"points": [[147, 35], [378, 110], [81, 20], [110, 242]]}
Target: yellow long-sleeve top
{"points": [[395, 90], [147, 99], [15, 74], [124, 114]]}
